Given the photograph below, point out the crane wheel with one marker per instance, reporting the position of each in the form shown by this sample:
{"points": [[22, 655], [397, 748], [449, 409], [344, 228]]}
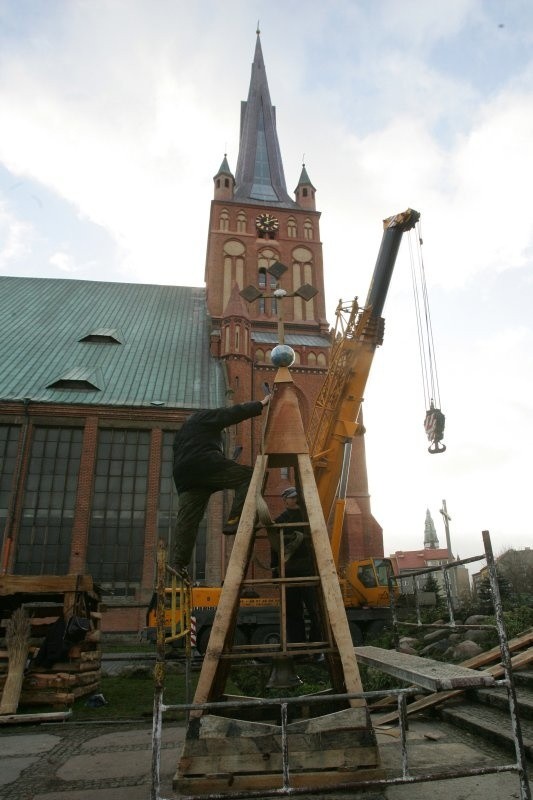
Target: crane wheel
{"points": [[357, 634]]}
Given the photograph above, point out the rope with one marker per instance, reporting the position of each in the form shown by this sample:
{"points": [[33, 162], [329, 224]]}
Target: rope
{"points": [[428, 361]]}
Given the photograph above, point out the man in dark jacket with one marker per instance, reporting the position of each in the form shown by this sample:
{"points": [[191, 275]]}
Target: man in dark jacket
{"points": [[201, 468], [298, 563]]}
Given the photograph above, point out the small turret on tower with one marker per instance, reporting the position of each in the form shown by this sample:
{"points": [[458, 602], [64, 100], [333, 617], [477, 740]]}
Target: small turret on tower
{"points": [[305, 191], [224, 181]]}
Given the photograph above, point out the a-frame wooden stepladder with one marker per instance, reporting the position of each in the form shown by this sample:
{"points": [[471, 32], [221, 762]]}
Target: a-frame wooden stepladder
{"points": [[228, 754]]}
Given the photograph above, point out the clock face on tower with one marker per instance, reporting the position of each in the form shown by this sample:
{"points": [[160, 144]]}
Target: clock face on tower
{"points": [[266, 223]]}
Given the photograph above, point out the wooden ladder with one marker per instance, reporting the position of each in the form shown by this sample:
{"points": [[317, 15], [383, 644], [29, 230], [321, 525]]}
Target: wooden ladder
{"points": [[223, 754]]}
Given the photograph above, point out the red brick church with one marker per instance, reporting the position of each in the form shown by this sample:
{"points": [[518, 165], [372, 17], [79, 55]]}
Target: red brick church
{"points": [[98, 376]]}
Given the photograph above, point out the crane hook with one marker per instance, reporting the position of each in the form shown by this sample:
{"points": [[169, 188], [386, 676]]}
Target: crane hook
{"points": [[434, 425], [436, 448]]}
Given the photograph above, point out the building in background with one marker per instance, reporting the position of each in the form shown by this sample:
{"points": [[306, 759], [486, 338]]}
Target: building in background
{"points": [[431, 555], [96, 378]]}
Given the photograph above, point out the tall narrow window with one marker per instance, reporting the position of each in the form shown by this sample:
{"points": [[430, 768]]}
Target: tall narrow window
{"points": [[262, 278], [116, 535], [224, 221], [49, 502], [291, 228], [308, 229], [9, 436], [241, 222]]}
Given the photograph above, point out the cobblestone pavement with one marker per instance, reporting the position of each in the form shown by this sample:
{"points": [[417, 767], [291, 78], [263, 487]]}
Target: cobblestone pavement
{"points": [[72, 761]]}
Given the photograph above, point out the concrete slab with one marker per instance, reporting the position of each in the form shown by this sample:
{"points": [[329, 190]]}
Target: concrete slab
{"points": [[124, 793], [133, 738], [12, 768], [28, 744], [479, 788]]}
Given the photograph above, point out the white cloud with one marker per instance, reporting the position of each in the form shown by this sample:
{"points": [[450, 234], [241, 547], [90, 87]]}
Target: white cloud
{"points": [[15, 239]]}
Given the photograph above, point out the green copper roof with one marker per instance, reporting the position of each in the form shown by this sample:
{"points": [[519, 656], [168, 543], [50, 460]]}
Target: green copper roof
{"points": [[145, 345]]}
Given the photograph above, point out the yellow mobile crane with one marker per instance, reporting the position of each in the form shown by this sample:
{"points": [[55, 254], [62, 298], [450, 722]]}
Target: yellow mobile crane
{"points": [[333, 426]]}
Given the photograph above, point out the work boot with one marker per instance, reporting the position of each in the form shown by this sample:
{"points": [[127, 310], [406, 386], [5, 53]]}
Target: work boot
{"points": [[231, 526]]}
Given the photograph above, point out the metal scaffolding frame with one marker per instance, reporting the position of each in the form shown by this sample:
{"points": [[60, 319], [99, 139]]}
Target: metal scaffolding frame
{"points": [[184, 629]]}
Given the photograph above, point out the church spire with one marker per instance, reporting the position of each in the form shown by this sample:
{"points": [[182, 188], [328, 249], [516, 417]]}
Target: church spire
{"points": [[259, 176], [431, 541]]}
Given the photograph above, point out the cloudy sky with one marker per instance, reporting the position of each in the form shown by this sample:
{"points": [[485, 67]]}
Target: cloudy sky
{"points": [[115, 115]]}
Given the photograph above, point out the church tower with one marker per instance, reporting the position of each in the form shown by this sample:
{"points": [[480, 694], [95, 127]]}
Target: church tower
{"points": [[253, 224]]}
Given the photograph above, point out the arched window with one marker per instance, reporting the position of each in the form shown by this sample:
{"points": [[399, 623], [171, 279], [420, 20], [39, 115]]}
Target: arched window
{"points": [[265, 259], [218, 183], [224, 221], [237, 338], [311, 360], [308, 229], [268, 355], [304, 192], [241, 222], [291, 228], [226, 182], [262, 278], [302, 272], [321, 360], [296, 357], [233, 268], [259, 355]]}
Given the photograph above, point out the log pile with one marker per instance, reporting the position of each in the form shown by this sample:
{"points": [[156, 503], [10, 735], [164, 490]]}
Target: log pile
{"points": [[70, 670]]}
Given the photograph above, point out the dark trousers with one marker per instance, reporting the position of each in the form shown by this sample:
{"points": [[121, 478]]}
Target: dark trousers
{"points": [[300, 599], [192, 504]]}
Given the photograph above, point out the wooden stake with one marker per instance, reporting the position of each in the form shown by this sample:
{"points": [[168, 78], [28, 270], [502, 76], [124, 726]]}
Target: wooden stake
{"points": [[17, 640]]}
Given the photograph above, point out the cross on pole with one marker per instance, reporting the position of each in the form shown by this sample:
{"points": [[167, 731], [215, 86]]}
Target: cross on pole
{"points": [[447, 519], [306, 292]]}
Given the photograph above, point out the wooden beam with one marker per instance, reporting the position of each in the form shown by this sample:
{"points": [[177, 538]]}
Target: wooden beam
{"points": [[425, 672], [517, 662]]}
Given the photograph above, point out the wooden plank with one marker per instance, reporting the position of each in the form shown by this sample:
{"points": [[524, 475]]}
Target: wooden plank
{"points": [[256, 762], [44, 698], [43, 584], [336, 741], [425, 672], [17, 640], [75, 666], [213, 783], [59, 680], [518, 661], [329, 580], [487, 657], [31, 719]]}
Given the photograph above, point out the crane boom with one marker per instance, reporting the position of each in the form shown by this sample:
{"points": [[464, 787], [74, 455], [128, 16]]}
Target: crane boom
{"points": [[358, 332]]}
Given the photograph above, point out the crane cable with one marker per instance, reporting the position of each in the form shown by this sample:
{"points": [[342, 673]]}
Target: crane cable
{"points": [[434, 420]]}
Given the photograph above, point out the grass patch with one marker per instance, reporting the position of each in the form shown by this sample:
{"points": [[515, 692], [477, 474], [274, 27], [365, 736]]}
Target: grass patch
{"points": [[133, 698]]}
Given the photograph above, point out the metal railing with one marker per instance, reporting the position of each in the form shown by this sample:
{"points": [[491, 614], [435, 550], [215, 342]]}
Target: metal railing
{"points": [[180, 628]]}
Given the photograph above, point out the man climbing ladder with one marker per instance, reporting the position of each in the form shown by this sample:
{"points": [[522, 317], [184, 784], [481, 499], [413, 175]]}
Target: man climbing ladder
{"points": [[201, 468]]}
